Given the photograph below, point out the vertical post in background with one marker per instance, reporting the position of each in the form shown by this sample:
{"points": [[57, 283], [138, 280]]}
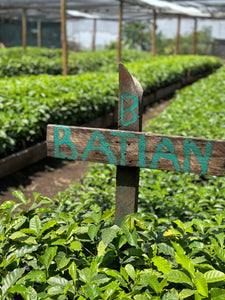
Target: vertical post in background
{"points": [[24, 29], [178, 35], [154, 33], [39, 34], [64, 38], [94, 35], [194, 36], [120, 31], [129, 118]]}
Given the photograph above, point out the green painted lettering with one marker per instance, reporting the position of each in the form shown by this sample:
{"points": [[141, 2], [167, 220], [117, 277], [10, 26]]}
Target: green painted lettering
{"points": [[130, 109], [141, 153], [202, 159], [65, 140], [105, 147], [165, 143]]}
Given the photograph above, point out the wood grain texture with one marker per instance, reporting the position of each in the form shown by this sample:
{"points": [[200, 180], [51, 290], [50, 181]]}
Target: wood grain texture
{"points": [[130, 110], [135, 149]]}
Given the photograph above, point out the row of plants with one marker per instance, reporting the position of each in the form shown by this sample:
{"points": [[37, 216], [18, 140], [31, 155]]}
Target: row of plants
{"points": [[15, 62], [29, 103], [173, 248], [70, 248]]}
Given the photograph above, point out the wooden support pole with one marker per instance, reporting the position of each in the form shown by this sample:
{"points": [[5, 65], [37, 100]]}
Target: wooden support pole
{"points": [[24, 29], [194, 36], [154, 33], [120, 32], [94, 35], [64, 38], [39, 34], [129, 118], [178, 35]]}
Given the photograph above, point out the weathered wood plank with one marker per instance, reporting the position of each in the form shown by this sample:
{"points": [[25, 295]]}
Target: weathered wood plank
{"points": [[135, 149], [129, 118]]}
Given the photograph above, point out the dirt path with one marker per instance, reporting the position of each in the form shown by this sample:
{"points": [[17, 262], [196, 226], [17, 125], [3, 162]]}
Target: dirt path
{"points": [[51, 176]]}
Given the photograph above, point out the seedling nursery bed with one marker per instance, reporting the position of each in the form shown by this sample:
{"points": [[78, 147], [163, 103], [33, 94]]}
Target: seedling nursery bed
{"points": [[33, 154]]}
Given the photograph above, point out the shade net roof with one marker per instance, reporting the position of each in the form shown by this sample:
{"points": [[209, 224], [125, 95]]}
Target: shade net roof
{"points": [[108, 9]]}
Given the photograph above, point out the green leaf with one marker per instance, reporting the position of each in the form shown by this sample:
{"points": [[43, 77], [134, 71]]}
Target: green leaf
{"points": [[185, 293], [21, 252], [6, 204], [162, 264], [20, 196], [19, 289], [61, 260], [220, 252], [73, 272], [130, 236], [92, 231], [130, 271], [36, 276], [48, 225], [220, 237], [108, 234], [35, 225], [75, 246], [185, 262], [201, 285], [85, 275], [217, 294], [178, 277], [172, 232], [17, 223], [101, 248], [219, 218], [47, 257], [171, 295], [214, 276], [124, 273], [110, 289], [148, 278], [92, 291], [58, 281], [162, 284], [10, 279], [17, 235]]}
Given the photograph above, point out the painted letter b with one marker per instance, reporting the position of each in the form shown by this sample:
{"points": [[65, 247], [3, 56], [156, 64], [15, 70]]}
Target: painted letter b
{"points": [[129, 109]]}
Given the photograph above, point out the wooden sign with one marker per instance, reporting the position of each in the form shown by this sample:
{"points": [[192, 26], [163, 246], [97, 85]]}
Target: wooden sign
{"points": [[135, 149], [130, 149]]}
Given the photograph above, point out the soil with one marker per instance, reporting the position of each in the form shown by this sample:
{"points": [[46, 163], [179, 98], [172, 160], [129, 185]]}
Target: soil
{"points": [[50, 176]]}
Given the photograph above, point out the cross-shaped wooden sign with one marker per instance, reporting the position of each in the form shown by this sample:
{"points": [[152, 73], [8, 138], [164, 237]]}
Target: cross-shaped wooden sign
{"points": [[130, 149]]}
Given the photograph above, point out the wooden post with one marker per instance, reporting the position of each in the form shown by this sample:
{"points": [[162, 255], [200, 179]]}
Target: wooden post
{"points": [[154, 33], [39, 34], [178, 35], [120, 32], [129, 118], [194, 36], [63, 37], [24, 29], [94, 35]]}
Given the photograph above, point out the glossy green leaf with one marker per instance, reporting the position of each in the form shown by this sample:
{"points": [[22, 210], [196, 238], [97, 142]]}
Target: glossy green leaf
{"points": [[201, 285], [11, 279], [35, 225], [20, 196], [178, 277], [162, 264], [185, 293], [47, 257], [130, 271], [214, 276]]}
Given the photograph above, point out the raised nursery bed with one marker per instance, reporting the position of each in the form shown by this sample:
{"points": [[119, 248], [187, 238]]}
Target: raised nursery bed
{"points": [[33, 154]]}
